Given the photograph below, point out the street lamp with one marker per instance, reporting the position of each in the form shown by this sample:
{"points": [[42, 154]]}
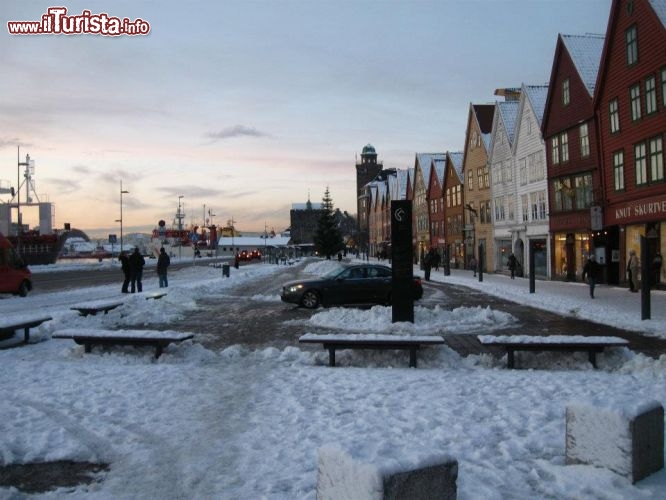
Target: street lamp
{"points": [[122, 192], [180, 216]]}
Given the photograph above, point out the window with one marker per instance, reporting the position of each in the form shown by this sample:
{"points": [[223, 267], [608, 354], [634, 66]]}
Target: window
{"points": [[614, 115], [583, 185], [564, 138], [522, 171], [486, 178], [584, 141], [534, 206], [511, 202], [566, 98], [635, 98], [572, 193], [524, 203], [499, 208], [555, 150], [529, 125], [479, 177], [656, 159], [631, 38], [618, 170], [650, 95], [458, 190], [470, 180], [640, 163], [541, 202]]}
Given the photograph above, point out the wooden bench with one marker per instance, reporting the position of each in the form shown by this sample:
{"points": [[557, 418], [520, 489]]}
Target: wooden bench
{"points": [[155, 295], [94, 307], [370, 341], [88, 338], [566, 343], [8, 326]]}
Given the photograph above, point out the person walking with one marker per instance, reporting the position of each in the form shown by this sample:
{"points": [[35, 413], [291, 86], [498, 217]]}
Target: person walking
{"points": [[472, 265], [136, 262], [512, 263], [427, 264], [633, 267], [163, 262], [591, 270], [656, 269], [125, 266]]}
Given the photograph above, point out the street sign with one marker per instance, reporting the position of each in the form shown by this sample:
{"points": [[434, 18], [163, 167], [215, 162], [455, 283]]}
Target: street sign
{"points": [[402, 261], [112, 239]]}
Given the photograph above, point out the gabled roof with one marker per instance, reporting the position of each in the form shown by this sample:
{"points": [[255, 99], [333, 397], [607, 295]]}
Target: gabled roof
{"points": [[537, 95], [585, 52], [457, 162], [484, 116], [425, 161], [508, 111], [440, 166], [659, 7]]}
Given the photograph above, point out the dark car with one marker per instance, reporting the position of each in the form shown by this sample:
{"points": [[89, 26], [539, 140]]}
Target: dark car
{"points": [[346, 285]]}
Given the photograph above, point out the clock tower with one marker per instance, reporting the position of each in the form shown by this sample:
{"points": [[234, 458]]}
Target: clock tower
{"points": [[366, 170]]}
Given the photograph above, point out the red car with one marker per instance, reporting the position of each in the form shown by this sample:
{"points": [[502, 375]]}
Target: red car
{"points": [[15, 277]]}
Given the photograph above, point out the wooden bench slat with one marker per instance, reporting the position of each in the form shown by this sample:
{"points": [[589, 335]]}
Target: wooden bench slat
{"points": [[8, 326], [569, 343], [88, 338], [332, 342], [92, 308]]}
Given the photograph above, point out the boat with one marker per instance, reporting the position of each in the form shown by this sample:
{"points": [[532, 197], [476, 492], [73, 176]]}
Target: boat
{"points": [[41, 244]]}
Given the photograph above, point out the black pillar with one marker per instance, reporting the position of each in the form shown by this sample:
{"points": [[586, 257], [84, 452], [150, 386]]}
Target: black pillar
{"points": [[532, 273], [481, 263], [645, 280]]}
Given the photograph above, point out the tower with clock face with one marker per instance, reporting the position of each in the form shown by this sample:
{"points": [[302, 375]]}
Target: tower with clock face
{"points": [[366, 170]]}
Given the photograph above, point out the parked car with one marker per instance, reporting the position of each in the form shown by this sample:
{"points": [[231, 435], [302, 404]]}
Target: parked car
{"points": [[354, 284], [15, 277]]}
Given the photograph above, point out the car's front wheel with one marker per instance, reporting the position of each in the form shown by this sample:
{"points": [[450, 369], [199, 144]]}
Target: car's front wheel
{"points": [[310, 299], [24, 289]]}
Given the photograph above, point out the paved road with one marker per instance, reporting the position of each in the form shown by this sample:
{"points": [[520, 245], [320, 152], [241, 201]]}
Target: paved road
{"points": [[240, 319]]}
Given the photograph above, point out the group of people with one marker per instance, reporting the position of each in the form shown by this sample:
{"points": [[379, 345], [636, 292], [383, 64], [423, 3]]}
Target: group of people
{"points": [[132, 267], [592, 270]]}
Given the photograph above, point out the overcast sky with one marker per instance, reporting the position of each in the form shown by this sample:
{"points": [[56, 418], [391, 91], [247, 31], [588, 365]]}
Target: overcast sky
{"points": [[249, 106]]}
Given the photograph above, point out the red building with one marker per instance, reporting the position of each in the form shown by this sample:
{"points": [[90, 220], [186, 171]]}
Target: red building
{"points": [[572, 156], [630, 104]]}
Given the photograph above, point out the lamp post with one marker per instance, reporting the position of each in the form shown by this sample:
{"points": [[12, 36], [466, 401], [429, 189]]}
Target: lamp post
{"points": [[265, 239], [122, 192], [473, 215], [180, 216]]}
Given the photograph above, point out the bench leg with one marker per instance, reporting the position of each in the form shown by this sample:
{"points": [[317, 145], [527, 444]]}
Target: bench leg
{"points": [[412, 357], [158, 350], [26, 335], [87, 347], [331, 356], [592, 355], [510, 358]]}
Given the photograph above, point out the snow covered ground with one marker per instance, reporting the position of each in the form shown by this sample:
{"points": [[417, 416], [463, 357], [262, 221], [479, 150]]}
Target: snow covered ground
{"points": [[244, 423]]}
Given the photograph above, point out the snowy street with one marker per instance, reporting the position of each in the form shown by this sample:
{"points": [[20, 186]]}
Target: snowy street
{"points": [[246, 420]]}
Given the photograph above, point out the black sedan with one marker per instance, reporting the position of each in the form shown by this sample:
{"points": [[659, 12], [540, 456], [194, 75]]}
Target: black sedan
{"points": [[346, 285]]}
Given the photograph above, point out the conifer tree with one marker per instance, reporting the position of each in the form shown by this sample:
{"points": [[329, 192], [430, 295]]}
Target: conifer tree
{"points": [[327, 238]]}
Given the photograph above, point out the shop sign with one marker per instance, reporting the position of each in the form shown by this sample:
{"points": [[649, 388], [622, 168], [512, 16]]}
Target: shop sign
{"points": [[637, 211]]}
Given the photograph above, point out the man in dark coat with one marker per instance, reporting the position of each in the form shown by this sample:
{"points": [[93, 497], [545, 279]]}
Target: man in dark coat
{"points": [[136, 262], [513, 264], [591, 270], [163, 262], [125, 265]]}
